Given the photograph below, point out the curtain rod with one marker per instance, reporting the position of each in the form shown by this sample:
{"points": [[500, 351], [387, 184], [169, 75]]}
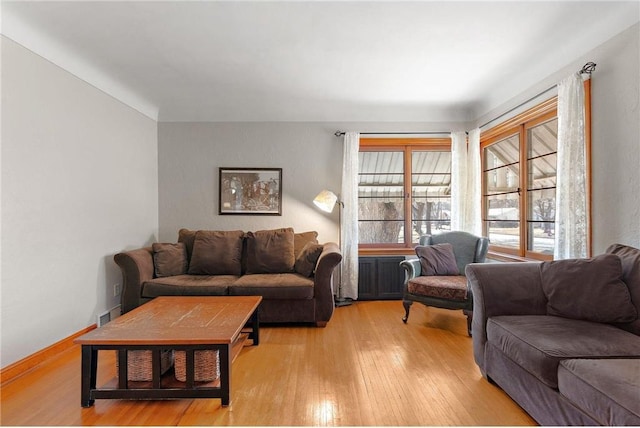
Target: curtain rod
{"points": [[588, 68], [341, 133]]}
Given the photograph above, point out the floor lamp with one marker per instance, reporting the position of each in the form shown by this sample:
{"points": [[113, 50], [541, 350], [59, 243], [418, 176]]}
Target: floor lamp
{"points": [[326, 201]]}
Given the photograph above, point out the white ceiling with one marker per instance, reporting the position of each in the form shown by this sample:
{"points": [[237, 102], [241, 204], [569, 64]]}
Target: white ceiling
{"points": [[422, 61]]}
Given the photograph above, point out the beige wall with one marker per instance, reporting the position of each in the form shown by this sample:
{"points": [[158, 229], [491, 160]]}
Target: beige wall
{"points": [[79, 183], [309, 154]]}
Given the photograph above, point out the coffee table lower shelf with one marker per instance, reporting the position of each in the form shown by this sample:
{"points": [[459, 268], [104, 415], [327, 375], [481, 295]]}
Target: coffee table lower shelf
{"points": [[162, 386]]}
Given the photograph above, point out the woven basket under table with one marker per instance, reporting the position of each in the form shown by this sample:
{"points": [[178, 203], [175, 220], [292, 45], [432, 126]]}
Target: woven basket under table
{"points": [[207, 366], [140, 365]]}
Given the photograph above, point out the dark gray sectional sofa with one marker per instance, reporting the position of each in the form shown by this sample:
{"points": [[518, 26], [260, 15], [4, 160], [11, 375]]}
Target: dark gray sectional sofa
{"points": [[562, 338]]}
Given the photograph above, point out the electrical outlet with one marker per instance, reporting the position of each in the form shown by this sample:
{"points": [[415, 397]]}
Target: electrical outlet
{"points": [[116, 289]]}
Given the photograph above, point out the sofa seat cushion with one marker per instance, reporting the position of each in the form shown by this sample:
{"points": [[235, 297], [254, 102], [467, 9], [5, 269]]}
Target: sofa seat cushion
{"points": [[608, 390], [273, 286], [445, 287], [188, 285], [539, 342]]}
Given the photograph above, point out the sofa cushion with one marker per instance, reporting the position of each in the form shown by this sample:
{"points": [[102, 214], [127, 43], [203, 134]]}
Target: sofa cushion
{"points": [[270, 251], [587, 289], [273, 286], [308, 258], [188, 237], [608, 390], [630, 258], [437, 259], [169, 259], [303, 238], [217, 252], [539, 342], [445, 287], [189, 285]]}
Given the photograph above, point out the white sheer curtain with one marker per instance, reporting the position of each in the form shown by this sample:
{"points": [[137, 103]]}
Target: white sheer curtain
{"points": [[472, 209], [571, 184], [465, 182], [349, 217], [458, 179]]}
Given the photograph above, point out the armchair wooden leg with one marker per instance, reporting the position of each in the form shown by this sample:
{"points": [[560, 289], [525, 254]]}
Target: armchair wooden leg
{"points": [[469, 315], [407, 306]]}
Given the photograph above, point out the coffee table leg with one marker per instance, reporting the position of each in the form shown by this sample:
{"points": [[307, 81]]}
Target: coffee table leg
{"points": [[225, 375], [89, 374], [255, 323]]}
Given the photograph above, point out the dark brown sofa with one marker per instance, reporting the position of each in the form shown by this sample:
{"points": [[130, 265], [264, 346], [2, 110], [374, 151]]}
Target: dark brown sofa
{"points": [[562, 338], [291, 271]]}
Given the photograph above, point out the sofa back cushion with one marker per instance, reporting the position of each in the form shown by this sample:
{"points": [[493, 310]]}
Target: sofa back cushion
{"points": [[169, 259], [308, 258], [303, 238], [270, 251], [630, 258], [216, 252], [587, 289], [188, 237]]}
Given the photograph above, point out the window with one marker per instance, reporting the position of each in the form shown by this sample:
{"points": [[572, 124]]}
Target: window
{"points": [[519, 182], [404, 188]]}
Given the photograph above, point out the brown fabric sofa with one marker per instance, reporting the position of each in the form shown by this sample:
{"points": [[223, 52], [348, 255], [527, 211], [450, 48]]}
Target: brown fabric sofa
{"points": [[562, 338], [291, 271]]}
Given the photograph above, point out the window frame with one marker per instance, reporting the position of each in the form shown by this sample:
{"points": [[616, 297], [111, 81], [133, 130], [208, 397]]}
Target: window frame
{"points": [[407, 146], [520, 124]]}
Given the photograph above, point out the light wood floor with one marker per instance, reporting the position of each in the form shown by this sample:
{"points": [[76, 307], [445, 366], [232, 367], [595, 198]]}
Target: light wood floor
{"points": [[365, 368]]}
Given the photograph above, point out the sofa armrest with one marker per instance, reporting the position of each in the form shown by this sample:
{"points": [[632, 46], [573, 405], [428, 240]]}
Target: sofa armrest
{"points": [[502, 289], [136, 267], [323, 281]]}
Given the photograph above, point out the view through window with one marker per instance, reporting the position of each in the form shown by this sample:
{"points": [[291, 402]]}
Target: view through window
{"points": [[404, 191]]}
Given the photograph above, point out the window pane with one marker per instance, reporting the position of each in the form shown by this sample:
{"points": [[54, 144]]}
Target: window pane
{"points": [[542, 145], [503, 220], [381, 197], [543, 139], [542, 205], [380, 232], [541, 237], [430, 193], [430, 217], [503, 152], [541, 220], [502, 180], [542, 172]]}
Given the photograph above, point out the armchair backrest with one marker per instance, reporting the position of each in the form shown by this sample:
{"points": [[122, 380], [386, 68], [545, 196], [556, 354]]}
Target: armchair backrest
{"points": [[468, 248]]}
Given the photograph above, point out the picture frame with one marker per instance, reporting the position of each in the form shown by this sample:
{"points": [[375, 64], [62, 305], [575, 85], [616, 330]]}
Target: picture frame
{"points": [[250, 191]]}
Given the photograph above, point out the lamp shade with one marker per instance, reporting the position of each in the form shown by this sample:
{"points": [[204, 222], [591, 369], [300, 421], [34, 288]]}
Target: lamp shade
{"points": [[326, 200]]}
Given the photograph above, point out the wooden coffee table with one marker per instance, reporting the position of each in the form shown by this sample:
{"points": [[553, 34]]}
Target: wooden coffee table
{"points": [[180, 323]]}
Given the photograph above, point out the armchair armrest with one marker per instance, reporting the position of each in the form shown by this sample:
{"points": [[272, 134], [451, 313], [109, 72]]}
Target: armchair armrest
{"points": [[502, 289], [412, 268], [136, 267], [323, 281]]}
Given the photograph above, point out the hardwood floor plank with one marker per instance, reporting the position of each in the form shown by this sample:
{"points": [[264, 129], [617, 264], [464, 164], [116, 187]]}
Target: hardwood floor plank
{"points": [[365, 368]]}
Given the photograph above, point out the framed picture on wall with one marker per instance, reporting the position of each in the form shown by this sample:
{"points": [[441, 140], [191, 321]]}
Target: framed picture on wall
{"points": [[250, 191]]}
